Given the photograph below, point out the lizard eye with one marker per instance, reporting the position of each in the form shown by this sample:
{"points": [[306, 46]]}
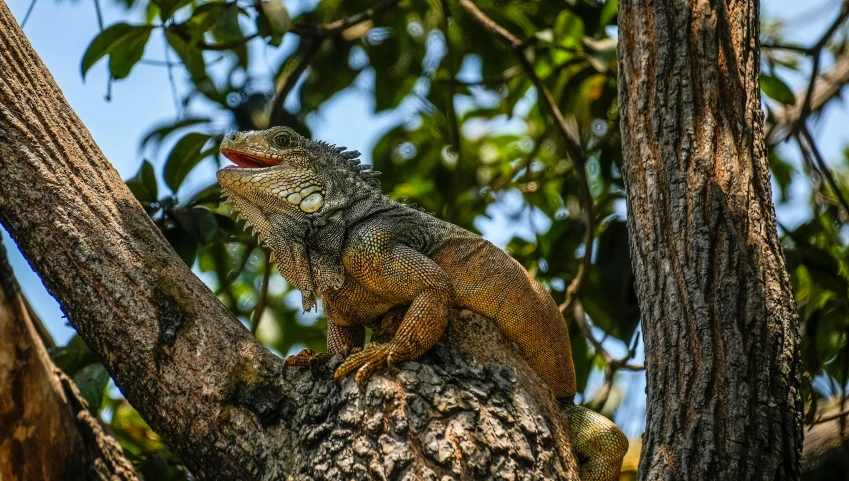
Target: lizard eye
{"points": [[282, 140]]}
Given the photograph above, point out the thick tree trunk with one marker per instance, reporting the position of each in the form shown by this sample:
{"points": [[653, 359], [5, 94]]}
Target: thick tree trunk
{"points": [[470, 408], [46, 431], [719, 317]]}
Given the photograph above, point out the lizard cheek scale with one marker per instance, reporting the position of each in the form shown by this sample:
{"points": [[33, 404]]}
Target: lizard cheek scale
{"points": [[312, 203], [335, 234]]}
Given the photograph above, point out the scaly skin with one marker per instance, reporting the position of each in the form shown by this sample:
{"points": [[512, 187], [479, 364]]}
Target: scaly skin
{"points": [[335, 234]]}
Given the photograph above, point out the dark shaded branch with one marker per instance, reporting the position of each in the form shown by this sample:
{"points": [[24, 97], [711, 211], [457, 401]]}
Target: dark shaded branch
{"points": [[304, 57], [823, 167], [182, 31], [48, 431], [827, 87], [805, 103], [816, 52], [611, 365], [338, 26], [263, 294]]}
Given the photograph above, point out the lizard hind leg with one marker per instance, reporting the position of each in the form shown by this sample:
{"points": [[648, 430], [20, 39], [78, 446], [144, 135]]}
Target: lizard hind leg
{"points": [[598, 443]]}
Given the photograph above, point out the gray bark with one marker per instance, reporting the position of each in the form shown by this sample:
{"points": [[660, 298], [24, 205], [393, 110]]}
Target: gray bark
{"points": [[46, 430], [470, 408], [719, 317]]}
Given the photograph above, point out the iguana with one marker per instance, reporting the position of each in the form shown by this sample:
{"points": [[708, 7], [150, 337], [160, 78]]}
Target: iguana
{"points": [[335, 234]]}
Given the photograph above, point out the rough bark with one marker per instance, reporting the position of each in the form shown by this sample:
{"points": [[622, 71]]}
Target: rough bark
{"points": [[825, 455], [719, 317], [217, 397], [46, 430]]}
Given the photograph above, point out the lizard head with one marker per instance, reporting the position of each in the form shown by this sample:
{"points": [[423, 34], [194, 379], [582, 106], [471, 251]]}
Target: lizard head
{"points": [[279, 173]]}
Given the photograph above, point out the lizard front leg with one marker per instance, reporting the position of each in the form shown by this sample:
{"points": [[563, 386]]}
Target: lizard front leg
{"points": [[340, 340], [408, 275]]}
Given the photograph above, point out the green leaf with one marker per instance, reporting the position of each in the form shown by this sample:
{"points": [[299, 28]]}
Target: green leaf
{"points": [[191, 56], [91, 381], [183, 158], [143, 185], [168, 7], [198, 221], [159, 133], [73, 356], [124, 43], [776, 89]]}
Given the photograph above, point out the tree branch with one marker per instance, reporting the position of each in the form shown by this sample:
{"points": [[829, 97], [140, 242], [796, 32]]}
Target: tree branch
{"points": [[50, 433], [339, 26], [826, 87], [823, 167]]}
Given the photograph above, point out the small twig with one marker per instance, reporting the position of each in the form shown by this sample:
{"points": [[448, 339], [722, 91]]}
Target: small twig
{"points": [[816, 52], [263, 295], [611, 365], [573, 147], [831, 417], [234, 274], [338, 26], [822, 167], [454, 123], [502, 181], [170, 67], [305, 57], [782, 46], [26, 15], [99, 13]]}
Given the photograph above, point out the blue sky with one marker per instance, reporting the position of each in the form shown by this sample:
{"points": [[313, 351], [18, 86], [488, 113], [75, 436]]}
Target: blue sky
{"points": [[61, 31]]}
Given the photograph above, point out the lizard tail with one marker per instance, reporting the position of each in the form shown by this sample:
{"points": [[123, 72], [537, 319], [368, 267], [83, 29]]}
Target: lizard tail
{"points": [[598, 443]]}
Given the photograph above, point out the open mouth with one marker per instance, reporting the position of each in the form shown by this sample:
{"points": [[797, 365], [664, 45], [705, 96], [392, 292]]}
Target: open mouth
{"points": [[248, 161]]}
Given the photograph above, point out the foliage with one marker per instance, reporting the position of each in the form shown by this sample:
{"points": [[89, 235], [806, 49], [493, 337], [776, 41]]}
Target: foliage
{"points": [[475, 141]]}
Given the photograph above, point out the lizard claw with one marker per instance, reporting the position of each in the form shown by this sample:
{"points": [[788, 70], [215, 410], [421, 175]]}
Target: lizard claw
{"points": [[307, 358], [369, 360]]}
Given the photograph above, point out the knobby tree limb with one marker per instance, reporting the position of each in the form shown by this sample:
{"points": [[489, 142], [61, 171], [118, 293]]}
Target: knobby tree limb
{"points": [[719, 317], [219, 399], [47, 431]]}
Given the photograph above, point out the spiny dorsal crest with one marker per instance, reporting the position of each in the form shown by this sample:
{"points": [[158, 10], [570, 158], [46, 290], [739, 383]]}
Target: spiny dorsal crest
{"points": [[348, 162]]}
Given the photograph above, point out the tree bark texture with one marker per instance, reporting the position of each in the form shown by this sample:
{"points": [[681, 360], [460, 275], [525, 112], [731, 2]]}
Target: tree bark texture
{"points": [[719, 317], [46, 430], [469, 409]]}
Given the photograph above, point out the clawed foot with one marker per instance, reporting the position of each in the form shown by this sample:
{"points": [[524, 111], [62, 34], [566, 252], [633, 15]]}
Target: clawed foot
{"points": [[373, 357], [313, 360]]}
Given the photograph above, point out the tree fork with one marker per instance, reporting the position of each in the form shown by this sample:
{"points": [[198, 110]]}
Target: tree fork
{"points": [[719, 316], [469, 408], [46, 430]]}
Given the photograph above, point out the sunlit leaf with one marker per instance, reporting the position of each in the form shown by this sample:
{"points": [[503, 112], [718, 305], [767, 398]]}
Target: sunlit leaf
{"points": [[776, 89], [124, 43]]}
